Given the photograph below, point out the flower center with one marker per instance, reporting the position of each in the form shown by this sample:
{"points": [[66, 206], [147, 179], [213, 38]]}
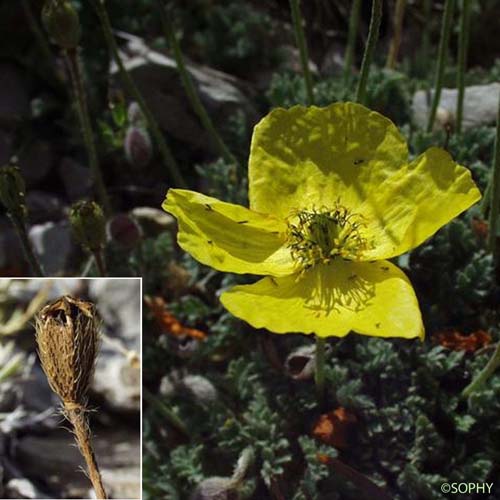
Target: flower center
{"points": [[319, 236]]}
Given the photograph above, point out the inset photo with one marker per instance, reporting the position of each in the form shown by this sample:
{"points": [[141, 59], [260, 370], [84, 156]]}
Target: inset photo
{"points": [[70, 388]]}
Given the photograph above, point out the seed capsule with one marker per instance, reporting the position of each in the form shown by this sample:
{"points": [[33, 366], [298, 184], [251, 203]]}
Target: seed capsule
{"points": [[67, 334], [88, 224], [62, 23]]}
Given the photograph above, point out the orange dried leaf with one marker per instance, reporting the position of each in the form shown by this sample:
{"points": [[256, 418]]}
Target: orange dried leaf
{"points": [[168, 322], [333, 428], [480, 228], [452, 339]]}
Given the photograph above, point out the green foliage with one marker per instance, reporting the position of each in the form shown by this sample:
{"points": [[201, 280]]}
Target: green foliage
{"points": [[230, 35], [387, 91]]}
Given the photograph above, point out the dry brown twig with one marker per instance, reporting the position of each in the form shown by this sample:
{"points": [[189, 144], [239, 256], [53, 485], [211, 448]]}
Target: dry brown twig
{"points": [[67, 335]]}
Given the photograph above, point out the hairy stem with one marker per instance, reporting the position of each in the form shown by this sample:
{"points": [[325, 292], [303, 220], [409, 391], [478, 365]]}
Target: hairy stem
{"points": [[319, 371], [32, 259], [75, 72], [351, 39], [463, 45], [399, 13], [484, 374], [371, 43], [441, 62], [133, 90], [302, 45], [191, 92], [84, 440], [494, 192]]}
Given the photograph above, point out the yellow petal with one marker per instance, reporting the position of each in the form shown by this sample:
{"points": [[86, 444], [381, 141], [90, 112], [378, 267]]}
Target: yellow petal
{"points": [[412, 205], [332, 300], [229, 237], [307, 157]]}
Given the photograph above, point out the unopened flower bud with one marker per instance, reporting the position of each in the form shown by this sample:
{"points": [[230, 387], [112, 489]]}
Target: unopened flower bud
{"points": [[12, 192], [88, 224], [138, 146], [124, 230], [62, 23], [135, 115], [225, 488]]}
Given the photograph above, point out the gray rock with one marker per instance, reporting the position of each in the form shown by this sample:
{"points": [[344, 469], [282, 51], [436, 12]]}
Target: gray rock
{"points": [[157, 77], [14, 94], [43, 206], [35, 161], [6, 150], [153, 220], [53, 244], [117, 377], [480, 105], [12, 262], [54, 459], [22, 488], [76, 179]]}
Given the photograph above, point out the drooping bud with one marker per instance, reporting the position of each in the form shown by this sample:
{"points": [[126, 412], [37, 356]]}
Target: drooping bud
{"points": [[225, 488], [12, 192], [62, 23], [124, 230], [135, 115], [88, 224], [138, 146]]}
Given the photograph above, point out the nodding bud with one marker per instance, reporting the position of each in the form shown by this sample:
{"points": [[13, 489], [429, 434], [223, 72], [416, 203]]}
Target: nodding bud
{"points": [[300, 364], [62, 23], [124, 230], [138, 146], [67, 334], [88, 224], [135, 115], [12, 192], [225, 488]]}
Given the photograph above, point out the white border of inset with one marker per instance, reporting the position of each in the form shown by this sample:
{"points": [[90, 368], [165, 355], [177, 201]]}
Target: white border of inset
{"points": [[141, 304]]}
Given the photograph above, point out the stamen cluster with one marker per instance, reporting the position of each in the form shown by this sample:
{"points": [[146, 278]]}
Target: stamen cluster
{"points": [[319, 235]]}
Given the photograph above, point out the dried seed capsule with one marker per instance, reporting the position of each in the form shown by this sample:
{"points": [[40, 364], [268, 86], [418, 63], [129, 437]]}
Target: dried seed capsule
{"points": [[62, 23], [67, 334], [88, 224], [12, 191]]}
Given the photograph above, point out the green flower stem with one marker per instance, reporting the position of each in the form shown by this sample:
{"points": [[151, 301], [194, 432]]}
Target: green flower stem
{"points": [[32, 259], [484, 374], [162, 408], [302, 45], [371, 43], [75, 72], [441, 62], [189, 87], [426, 34], [494, 192], [319, 370], [399, 13], [133, 90], [100, 262], [463, 45], [351, 39]]}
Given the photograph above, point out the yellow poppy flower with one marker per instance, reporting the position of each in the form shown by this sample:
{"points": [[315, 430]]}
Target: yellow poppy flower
{"points": [[332, 196]]}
